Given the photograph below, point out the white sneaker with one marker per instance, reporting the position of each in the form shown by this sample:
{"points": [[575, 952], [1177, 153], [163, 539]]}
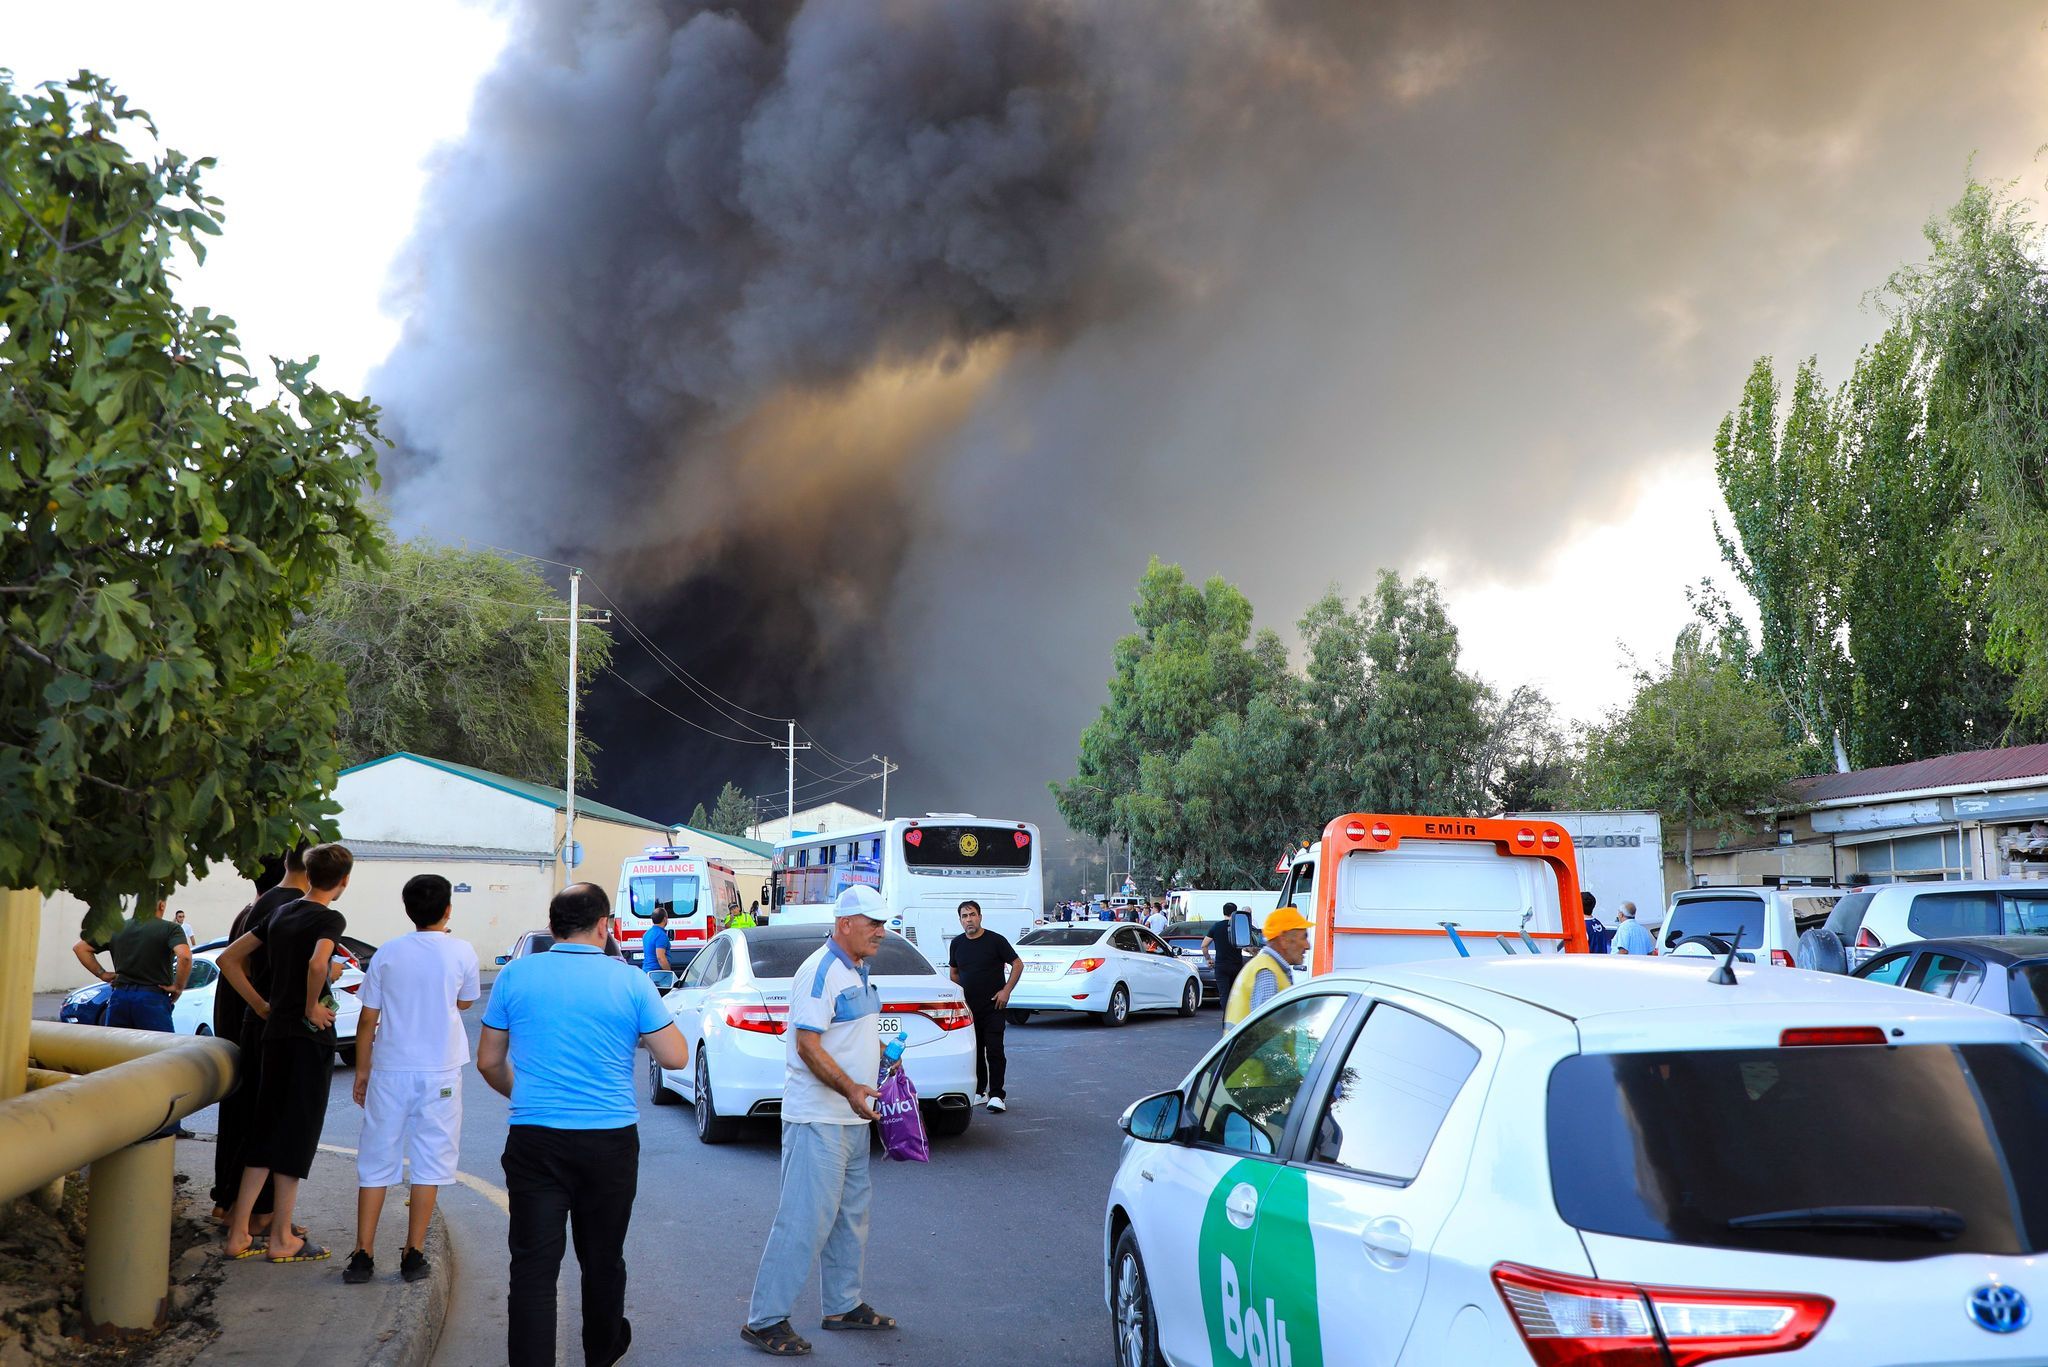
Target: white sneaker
{"points": [[980, 1099], [995, 1103]]}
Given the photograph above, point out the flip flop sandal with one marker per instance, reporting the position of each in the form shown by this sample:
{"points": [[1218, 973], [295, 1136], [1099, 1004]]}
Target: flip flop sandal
{"points": [[308, 1253], [777, 1340], [862, 1316], [255, 1250]]}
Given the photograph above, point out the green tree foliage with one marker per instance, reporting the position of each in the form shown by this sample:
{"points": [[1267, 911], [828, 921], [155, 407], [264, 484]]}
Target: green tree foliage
{"points": [[699, 818], [1211, 755], [446, 655], [733, 814], [164, 523], [1977, 314], [1701, 742]]}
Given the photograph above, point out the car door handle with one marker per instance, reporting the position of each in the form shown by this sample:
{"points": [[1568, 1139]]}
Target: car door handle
{"points": [[1387, 1242], [1243, 1205]]}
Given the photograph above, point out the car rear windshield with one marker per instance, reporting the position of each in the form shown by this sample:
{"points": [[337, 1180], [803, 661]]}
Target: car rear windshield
{"points": [[1945, 915], [1847, 917], [1717, 916], [1865, 1152], [967, 847], [781, 956], [1078, 936]]}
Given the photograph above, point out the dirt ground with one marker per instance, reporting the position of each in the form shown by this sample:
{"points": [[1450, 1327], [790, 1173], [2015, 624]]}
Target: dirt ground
{"points": [[42, 1270]]}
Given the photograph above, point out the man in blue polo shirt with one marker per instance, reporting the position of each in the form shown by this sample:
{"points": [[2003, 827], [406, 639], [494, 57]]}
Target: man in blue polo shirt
{"points": [[559, 1039]]}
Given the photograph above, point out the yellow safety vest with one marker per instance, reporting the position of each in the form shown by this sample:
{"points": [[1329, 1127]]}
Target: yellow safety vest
{"points": [[1240, 1004], [739, 920]]}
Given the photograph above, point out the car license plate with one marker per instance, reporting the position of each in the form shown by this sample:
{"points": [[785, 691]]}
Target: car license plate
{"points": [[1037, 966], [890, 1025]]}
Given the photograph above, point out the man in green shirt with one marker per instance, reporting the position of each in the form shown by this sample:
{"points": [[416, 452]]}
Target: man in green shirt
{"points": [[152, 962]]}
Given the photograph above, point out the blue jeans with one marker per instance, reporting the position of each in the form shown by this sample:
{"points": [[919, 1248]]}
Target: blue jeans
{"points": [[140, 1008], [824, 1207]]}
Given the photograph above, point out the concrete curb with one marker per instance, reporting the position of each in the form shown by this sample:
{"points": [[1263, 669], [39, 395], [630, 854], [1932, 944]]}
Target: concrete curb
{"points": [[411, 1331]]}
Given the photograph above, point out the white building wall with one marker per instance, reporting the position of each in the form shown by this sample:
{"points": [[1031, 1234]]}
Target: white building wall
{"points": [[402, 799]]}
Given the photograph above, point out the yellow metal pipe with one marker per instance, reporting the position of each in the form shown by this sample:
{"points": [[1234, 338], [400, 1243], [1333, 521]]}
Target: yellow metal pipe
{"points": [[128, 1240], [21, 917], [138, 1083]]}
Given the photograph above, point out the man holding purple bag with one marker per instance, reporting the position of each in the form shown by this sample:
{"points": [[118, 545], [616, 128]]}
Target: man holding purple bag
{"points": [[834, 1045]]}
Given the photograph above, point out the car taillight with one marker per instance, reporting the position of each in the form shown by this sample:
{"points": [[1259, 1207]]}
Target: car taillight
{"points": [[1836, 1034], [1865, 940], [945, 1015], [1781, 958], [352, 988], [1569, 1321], [1085, 966], [762, 1020]]}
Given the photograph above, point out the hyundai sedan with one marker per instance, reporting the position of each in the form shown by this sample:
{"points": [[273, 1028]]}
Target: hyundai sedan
{"points": [[1107, 970]]}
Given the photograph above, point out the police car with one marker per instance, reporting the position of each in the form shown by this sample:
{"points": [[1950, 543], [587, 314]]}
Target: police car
{"points": [[1582, 1160]]}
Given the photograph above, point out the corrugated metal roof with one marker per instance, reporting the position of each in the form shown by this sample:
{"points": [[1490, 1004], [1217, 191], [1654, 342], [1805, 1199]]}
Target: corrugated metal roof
{"points": [[470, 854], [759, 848], [518, 787], [1942, 771]]}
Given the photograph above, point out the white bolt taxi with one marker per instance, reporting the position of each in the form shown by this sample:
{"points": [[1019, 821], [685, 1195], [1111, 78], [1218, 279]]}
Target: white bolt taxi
{"points": [[1104, 968], [732, 1005], [1588, 1161]]}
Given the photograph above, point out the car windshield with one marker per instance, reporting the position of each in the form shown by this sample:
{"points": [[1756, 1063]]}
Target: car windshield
{"points": [[1720, 917], [1776, 1149], [780, 956], [1986, 911], [1066, 937]]}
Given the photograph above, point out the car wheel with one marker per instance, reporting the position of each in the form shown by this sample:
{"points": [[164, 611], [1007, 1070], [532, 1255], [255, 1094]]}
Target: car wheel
{"points": [[1017, 1017], [1131, 1319], [712, 1128], [949, 1123], [203, 1030], [1119, 1006], [657, 1090], [1190, 998]]}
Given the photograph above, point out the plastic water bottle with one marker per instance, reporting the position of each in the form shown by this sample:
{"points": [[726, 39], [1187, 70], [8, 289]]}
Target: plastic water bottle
{"points": [[893, 1055]]}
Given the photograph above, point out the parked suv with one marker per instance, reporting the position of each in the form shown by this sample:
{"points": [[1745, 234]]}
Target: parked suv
{"points": [[1770, 921], [1869, 921]]}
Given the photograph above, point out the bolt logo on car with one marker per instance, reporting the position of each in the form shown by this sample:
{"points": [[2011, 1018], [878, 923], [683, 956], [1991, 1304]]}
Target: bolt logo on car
{"points": [[1999, 1309], [1267, 1318]]}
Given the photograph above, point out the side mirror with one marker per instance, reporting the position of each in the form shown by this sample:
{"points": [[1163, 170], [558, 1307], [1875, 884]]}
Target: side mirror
{"points": [[1156, 1119], [503, 959], [662, 979]]}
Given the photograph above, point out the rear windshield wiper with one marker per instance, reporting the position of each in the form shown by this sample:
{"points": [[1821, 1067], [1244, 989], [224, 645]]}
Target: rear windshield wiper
{"points": [[1935, 1222]]}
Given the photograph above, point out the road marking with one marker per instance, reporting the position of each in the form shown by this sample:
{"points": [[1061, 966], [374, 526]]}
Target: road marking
{"points": [[491, 1192]]}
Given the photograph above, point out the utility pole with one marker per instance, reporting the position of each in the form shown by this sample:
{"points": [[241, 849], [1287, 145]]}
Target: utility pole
{"points": [[792, 748], [576, 620], [887, 769]]}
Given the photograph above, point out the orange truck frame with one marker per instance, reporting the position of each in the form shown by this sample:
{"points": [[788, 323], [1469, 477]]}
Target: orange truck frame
{"points": [[1374, 834]]}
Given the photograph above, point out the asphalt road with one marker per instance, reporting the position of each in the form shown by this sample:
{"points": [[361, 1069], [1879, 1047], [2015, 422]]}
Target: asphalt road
{"points": [[991, 1254]]}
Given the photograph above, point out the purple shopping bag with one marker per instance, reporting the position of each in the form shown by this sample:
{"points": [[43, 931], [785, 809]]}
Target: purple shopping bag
{"points": [[902, 1126]]}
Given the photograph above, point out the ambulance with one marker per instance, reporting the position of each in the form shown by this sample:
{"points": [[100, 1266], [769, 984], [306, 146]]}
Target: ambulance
{"points": [[1409, 887], [697, 893]]}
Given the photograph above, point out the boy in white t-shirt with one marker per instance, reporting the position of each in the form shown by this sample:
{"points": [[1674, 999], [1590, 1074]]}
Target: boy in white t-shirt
{"points": [[413, 992]]}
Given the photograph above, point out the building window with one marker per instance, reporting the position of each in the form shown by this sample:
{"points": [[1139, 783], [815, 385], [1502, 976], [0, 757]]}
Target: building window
{"points": [[1928, 858]]}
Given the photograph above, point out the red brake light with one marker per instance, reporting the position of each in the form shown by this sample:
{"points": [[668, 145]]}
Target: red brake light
{"points": [[1833, 1034], [945, 1015], [1085, 966], [1781, 958], [1865, 940], [1022, 838], [1568, 1321], [1354, 830], [913, 837], [352, 988], [762, 1020]]}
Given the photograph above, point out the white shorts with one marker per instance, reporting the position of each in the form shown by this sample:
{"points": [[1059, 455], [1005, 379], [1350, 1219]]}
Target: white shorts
{"points": [[414, 1116]]}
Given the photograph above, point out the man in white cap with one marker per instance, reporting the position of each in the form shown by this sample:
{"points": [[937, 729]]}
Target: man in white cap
{"points": [[832, 1063]]}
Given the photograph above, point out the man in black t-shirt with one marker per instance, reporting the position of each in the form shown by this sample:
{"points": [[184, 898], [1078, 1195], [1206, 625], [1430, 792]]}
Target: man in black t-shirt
{"points": [[233, 1020], [986, 967], [298, 1050], [1225, 952]]}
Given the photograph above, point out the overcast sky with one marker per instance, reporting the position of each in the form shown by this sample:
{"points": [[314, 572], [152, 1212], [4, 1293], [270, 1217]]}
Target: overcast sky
{"points": [[1500, 322]]}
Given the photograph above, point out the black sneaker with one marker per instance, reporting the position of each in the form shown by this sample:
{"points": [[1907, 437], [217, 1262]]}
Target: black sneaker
{"points": [[413, 1266], [361, 1267], [625, 1341]]}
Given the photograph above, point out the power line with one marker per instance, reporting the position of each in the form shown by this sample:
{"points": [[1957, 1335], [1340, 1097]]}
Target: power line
{"points": [[742, 707], [736, 740]]}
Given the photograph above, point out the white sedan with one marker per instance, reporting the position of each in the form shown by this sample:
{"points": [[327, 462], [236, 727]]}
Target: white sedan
{"points": [[192, 1013], [1582, 1160], [1104, 968], [732, 1006]]}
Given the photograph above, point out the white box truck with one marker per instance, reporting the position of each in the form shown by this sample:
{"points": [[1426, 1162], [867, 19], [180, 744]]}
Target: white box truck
{"points": [[1621, 859]]}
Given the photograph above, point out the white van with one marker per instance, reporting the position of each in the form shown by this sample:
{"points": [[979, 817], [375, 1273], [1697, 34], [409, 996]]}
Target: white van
{"points": [[1385, 889], [1204, 904]]}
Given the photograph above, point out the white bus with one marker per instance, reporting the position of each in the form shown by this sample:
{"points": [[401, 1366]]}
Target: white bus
{"points": [[924, 868]]}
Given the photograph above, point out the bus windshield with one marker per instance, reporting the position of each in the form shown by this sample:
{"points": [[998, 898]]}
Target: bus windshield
{"points": [[675, 893], [928, 849]]}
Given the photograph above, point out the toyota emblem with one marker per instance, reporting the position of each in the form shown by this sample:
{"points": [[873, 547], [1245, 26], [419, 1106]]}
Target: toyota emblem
{"points": [[1999, 1309]]}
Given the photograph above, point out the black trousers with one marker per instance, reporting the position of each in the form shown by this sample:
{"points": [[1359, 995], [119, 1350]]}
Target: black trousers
{"points": [[989, 1063], [291, 1105], [587, 1178], [237, 1112]]}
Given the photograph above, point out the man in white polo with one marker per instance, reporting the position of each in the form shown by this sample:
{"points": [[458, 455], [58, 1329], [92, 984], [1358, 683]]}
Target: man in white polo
{"points": [[833, 1062]]}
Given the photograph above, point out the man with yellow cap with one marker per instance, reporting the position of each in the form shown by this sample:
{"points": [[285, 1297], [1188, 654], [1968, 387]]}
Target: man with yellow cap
{"points": [[1270, 971]]}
